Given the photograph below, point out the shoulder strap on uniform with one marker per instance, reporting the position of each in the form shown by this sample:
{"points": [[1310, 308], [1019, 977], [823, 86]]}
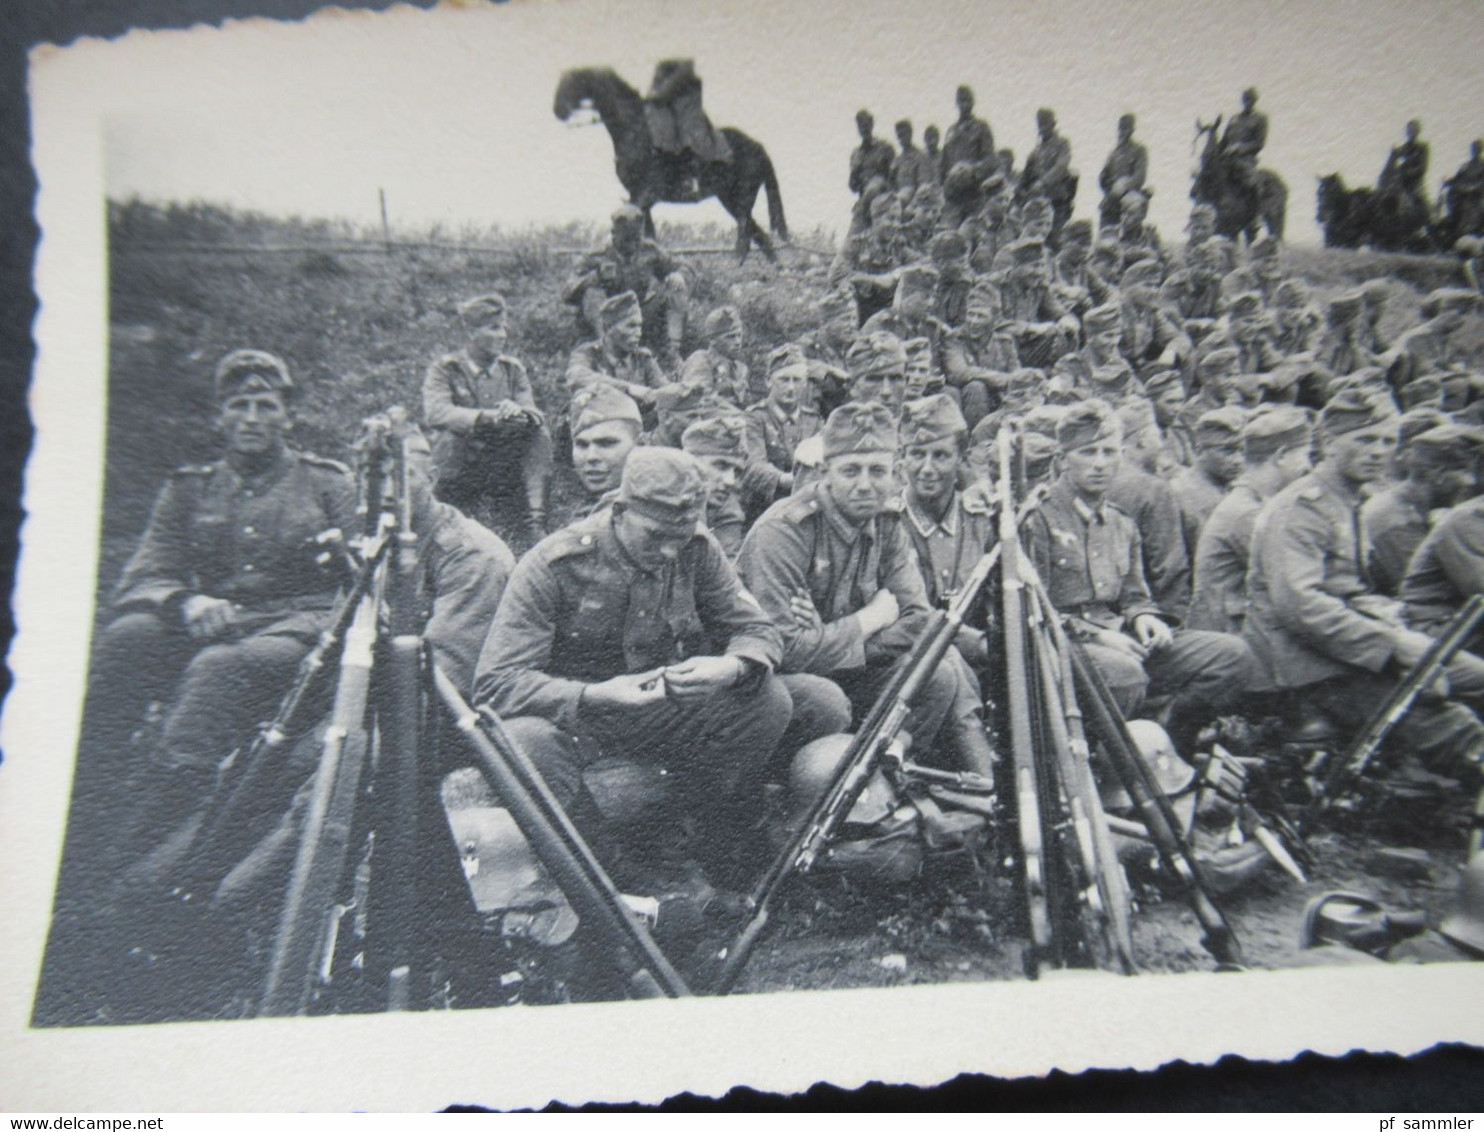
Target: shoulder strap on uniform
{"points": [[194, 470], [325, 462]]}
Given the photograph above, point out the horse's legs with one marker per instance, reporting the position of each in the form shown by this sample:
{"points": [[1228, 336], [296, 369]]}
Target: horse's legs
{"points": [[648, 219], [763, 239]]}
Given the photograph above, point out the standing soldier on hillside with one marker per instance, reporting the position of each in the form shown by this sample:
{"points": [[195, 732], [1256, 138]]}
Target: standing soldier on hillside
{"points": [[1406, 166], [970, 141], [223, 597], [487, 430], [870, 170], [632, 262], [934, 158], [1124, 172], [1048, 172], [911, 168]]}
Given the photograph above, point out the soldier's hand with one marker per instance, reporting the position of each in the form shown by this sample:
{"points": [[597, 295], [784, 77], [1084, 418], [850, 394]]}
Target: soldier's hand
{"points": [[881, 611], [1410, 647], [1152, 632], [805, 615], [700, 676], [206, 617], [638, 689]]}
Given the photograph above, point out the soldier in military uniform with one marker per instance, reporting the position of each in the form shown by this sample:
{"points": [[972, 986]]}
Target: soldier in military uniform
{"points": [[719, 445], [834, 569], [930, 152], [1134, 231], [606, 424], [948, 252], [1150, 334], [1048, 172], [487, 430], [1314, 621], [1242, 140], [1431, 346], [1218, 461], [1343, 349], [1166, 392], [825, 350], [1246, 328], [628, 636], [1099, 369], [1465, 191], [222, 598], [617, 359], [870, 260], [1275, 452], [782, 421], [678, 125], [1088, 554], [1140, 493], [969, 141], [1446, 570], [1297, 323], [911, 168], [718, 367], [1198, 229], [922, 215], [911, 312], [1440, 470], [979, 356], [632, 262], [1406, 166], [878, 370], [1024, 392], [1124, 172], [1043, 329], [870, 170]]}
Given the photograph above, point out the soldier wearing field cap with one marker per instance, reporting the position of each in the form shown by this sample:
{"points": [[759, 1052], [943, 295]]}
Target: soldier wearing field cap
{"points": [[1220, 384], [631, 261], [1218, 461], [617, 358], [1315, 622], [924, 378], [1024, 393], [783, 419], [1150, 334], [834, 569], [829, 380], [628, 636], [1043, 329], [1275, 451], [979, 355], [1144, 495], [1261, 274], [1440, 469], [1343, 348], [948, 252], [1198, 229], [1431, 346], [969, 142], [1088, 554], [718, 366], [911, 311], [224, 595], [878, 370], [606, 424], [1099, 369], [486, 430], [719, 445], [1134, 230], [1165, 389], [1048, 172], [1297, 323]]}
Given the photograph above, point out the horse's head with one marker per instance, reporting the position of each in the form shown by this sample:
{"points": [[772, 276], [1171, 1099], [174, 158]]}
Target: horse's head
{"points": [[598, 87], [569, 93]]}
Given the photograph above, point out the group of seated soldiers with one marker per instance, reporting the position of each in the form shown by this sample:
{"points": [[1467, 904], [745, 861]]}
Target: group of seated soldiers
{"points": [[1249, 494]]}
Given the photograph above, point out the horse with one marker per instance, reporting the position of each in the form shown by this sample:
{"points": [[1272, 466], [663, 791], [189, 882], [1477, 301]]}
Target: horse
{"points": [[1239, 208], [1344, 214], [650, 180]]}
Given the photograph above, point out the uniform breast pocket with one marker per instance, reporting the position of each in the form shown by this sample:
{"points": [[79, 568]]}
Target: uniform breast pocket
{"points": [[686, 632], [208, 532]]}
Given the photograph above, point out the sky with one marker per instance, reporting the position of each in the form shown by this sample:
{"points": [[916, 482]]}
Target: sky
{"points": [[450, 111]]}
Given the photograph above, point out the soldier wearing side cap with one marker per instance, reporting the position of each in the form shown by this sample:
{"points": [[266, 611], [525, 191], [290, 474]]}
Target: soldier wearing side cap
{"points": [[1275, 452], [834, 569], [911, 312], [1194, 292], [1247, 328], [1048, 172], [1446, 569], [870, 260], [718, 367], [606, 425], [969, 141], [979, 356], [486, 429], [628, 636], [1150, 333], [1219, 385], [1147, 498], [1043, 329], [1198, 229], [878, 370], [1124, 172], [1099, 369], [618, 358], [1165, 390], [1315, 622], [1089, 556], [1432, 346], [922, 211], [1440, 470], [1243, 139], [870, 170], [630, 261], [924, 378], [1218, 461], [1024, 392], [949, 254], [719, 445], [222, 598], [1343, 348], [783, 419], [1261, 274], [1135, 231], [1297, 323], [911, 168], [825, 348]]}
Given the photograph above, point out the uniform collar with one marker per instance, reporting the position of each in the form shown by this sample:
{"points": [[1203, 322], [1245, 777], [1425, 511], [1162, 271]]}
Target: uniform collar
{"points": [[926, 525], [776, 410], [1063, 493], [1327, 474], [844, 529]]}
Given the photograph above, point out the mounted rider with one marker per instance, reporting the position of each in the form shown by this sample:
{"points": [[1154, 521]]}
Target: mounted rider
{"points": [[1406, 167], [679, 127], [1245, 135]]}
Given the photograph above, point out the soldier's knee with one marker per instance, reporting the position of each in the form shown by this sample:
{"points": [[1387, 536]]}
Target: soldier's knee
{"points": [[974, 397], [677, 287], [552, 750], [820, 707]]}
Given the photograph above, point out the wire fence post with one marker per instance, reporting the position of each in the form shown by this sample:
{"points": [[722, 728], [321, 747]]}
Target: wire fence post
{"points": [[386, 229]]}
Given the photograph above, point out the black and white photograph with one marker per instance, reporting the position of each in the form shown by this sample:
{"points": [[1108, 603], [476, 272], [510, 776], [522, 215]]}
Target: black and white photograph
{"points": [[817, 542]]}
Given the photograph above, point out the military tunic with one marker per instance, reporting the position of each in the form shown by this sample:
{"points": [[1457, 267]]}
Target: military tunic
{"points": [[247, 539], [1219, 598], [1393, 526], [1314, 622], [463, 569], [592, 363], [725, 378], [971, 140], [1447, 568], [1149, 502], [781, 433], [1197, 495]]}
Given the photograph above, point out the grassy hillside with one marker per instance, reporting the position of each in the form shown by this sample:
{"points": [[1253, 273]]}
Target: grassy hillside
{"points": [[359, 328]]}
